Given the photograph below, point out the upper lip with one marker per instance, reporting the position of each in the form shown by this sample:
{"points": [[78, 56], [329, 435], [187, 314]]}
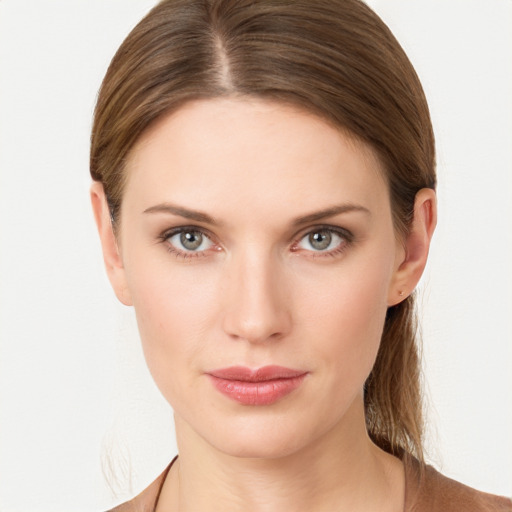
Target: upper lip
{"points": [[265, 373]]}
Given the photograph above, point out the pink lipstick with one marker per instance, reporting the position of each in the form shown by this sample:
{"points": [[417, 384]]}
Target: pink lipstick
{"points": [[263, 386]]}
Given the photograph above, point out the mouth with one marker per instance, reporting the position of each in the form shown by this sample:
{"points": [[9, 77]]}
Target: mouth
{"points": [[263, 386]]}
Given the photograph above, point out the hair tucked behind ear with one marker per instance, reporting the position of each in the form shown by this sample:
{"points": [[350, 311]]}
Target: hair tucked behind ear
{"points": [[394, 414], [335, 58]]}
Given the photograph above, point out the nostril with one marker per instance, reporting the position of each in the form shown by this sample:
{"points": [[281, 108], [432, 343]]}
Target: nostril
{"points": [[267, 328]]}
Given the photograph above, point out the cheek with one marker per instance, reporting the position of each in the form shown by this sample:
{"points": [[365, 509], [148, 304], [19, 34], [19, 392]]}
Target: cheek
{"points": [[346, 321], [175, 308]]}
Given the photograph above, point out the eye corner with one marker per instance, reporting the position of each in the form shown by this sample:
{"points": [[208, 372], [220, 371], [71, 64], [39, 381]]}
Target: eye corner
{"points": [[294, 247]]}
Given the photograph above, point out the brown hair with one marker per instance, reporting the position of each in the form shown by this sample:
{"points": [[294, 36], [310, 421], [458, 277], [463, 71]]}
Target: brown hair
{"points": [[335, 58]]}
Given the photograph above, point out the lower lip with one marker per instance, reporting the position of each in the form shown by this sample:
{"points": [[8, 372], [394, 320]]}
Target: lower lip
{"points": [[257, 393]]}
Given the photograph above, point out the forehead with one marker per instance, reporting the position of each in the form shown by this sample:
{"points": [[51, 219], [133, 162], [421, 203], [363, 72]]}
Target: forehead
{"points": [[241, 153]]}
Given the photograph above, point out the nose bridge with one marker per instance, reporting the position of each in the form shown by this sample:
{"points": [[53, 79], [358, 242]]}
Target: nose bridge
{"points": [[256, 308]]}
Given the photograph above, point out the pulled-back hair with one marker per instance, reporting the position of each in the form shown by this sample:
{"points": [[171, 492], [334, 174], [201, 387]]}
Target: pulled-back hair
{"points": [[334, 58]]}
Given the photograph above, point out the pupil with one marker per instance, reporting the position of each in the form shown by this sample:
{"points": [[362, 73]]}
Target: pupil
{"points": [[320, 240], [191, 240]]}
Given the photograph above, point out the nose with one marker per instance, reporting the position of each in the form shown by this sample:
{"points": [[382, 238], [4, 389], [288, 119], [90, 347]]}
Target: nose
{"points": [[257, 308]]}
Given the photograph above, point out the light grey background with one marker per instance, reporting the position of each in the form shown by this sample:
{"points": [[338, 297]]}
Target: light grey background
{"points": [[73, 384]]}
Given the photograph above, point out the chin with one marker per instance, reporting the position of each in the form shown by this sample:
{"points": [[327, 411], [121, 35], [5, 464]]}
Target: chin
{"points": [[262, 445], [261, 434]]}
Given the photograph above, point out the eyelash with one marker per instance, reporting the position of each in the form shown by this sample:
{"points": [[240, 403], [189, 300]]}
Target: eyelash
{"points": [[346, 236], [347, 239], [166, 235]]}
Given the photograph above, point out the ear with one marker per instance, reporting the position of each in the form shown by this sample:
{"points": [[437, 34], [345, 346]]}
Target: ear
{"points": [[413, 258], [111, 253]]}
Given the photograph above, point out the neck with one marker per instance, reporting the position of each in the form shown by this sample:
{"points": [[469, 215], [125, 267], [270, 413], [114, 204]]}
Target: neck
{"points": [[343, 470]]}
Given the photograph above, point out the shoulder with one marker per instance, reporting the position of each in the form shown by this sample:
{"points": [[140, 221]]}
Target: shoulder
{"points": [[147, 499], [428, 490]]}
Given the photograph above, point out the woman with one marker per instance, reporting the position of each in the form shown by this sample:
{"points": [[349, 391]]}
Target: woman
{"points": [[264, 193]]}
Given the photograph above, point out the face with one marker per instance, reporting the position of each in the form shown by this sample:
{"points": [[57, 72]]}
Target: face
{"points": [[258, 250]]}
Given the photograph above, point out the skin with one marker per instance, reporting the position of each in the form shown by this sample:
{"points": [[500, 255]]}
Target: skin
{"points": [[258, 292]]}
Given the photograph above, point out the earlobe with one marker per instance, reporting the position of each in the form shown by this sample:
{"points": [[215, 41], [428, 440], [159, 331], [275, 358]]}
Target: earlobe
{"points": [[109, 244], [413, 258]]}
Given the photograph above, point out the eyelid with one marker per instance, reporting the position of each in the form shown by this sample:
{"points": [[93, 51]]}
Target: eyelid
{"points": [[343, 232], [167, 233]]}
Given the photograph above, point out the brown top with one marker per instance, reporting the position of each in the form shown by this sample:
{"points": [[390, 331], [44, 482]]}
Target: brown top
{"points": [[426, 492], [433, 492]]}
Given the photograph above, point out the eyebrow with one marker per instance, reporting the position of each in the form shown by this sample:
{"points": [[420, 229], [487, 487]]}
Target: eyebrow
{"points": [[199, 216], [330, 212], [182, 212]]}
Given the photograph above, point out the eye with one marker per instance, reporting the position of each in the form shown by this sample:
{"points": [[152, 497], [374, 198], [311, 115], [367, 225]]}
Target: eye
{"points": [[323, 240], [187, 240]]}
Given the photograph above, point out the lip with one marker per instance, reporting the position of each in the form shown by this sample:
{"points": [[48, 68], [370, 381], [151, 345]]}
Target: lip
{"points": [[262, 386]]}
